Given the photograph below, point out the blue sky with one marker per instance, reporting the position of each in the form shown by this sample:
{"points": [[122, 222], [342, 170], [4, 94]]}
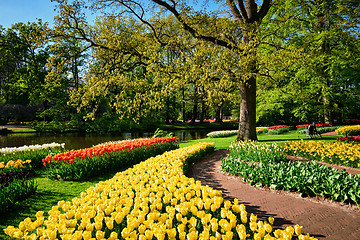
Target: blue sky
{"points": [[14, 11]]}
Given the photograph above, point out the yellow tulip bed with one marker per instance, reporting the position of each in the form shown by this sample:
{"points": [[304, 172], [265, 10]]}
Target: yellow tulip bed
{"points": [[340, 153], [152, 200], [14, 164], [349, 130]]}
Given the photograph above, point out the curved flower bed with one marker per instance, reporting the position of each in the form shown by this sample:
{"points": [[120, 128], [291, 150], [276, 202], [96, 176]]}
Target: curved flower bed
{"points": [[86, 163], [266, 165], [154, 199], [331, 152]]}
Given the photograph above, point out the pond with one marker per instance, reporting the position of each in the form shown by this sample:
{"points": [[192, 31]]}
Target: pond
{"points": [[78, 141]]}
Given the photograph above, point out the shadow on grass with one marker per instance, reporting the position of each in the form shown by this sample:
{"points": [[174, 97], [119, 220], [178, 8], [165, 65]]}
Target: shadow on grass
{"points": [[48, 194]]}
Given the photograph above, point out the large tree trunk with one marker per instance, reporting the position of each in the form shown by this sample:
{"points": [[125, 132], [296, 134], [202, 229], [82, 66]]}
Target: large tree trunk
{"points": [[247, 122]]}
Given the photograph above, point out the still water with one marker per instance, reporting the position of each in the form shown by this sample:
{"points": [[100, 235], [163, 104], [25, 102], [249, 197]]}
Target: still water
{"points": [[78, 141]]}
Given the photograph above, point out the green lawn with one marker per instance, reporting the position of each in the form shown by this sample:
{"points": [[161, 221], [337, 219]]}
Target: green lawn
{"points": [[223, 143], [50, 192]]}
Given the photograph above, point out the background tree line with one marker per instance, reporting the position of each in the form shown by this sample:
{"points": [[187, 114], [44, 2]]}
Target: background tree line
{"points": [[294, 61]]}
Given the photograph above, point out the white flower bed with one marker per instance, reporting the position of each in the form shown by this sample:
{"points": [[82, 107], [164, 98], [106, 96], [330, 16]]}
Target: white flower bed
{"points": [[12, 150], [219, 134]]}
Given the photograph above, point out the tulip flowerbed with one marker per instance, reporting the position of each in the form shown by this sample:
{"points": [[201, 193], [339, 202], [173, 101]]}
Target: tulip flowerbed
{"points": [[349, 130], [349, 139], [14, 183], [317, 125], [86, 163], [255, 151], [35, 153], [318, 129], [276, 130], [220, 134], [339, 153], [307, 178], [154, 199]]}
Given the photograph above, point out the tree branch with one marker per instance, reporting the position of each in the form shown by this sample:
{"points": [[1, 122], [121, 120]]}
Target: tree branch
{"points": [[235, 11], [191, 30], [263, 10]]}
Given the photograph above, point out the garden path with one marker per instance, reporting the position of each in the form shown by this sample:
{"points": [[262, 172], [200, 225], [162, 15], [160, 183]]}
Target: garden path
{"points": [[323, 219]]}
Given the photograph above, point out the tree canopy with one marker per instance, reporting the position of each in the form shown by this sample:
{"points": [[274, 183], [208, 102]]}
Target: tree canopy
{"points": [[143, 62]]}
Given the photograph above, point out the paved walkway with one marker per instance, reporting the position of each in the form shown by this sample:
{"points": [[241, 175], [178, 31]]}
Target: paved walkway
{"points": [[322, 219]]}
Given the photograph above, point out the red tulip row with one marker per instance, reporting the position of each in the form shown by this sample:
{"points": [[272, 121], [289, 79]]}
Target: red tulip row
{"points": [[317, 125], [277, 127], [349, 139], [70, 156]]}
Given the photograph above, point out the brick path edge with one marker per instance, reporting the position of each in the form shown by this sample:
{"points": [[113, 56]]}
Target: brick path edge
{"points": [[320, 218]]}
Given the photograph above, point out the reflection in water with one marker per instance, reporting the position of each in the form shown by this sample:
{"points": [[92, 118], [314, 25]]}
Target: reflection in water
{"points": [[78, 141]]}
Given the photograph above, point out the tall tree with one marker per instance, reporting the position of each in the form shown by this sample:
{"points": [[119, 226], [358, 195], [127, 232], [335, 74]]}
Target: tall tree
{"points": [[236, 31], [311, 52]]}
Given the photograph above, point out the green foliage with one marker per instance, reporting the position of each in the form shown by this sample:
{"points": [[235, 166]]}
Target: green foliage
{"points": [[36, 157], [192, 159], [249, 151], [15, 192], [265, 165], [318, 129], [90, 167], [309, 67], [278, 131], [307, 178], [161, 133]]}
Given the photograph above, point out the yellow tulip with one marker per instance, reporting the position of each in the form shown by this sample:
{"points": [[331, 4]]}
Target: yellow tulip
{"points": [[298, 229], [149, 234]]}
